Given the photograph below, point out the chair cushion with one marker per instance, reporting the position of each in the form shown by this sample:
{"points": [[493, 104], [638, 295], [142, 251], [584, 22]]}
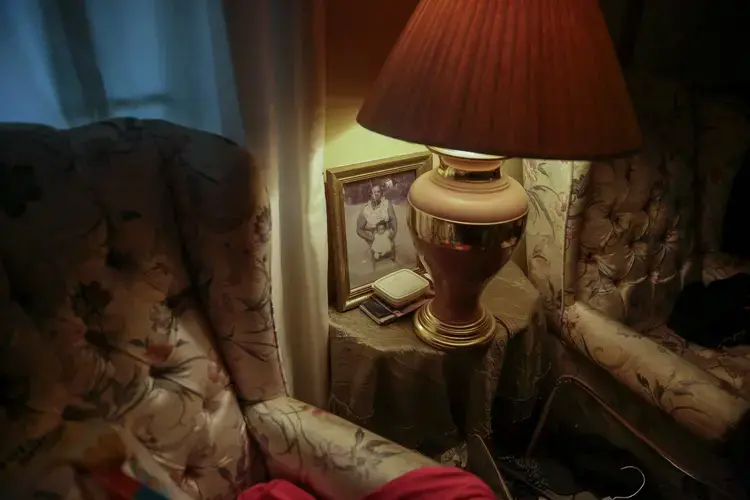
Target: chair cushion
{"points": [[98, 316], [731, 365]]}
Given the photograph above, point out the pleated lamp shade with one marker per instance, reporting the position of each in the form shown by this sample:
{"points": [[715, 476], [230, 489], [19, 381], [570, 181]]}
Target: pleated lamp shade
{"points": [[516, 78]]}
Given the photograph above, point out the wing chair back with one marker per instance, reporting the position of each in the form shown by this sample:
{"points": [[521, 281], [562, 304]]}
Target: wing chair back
{"points": [[722, 141], [624, 236], [135, 288]]}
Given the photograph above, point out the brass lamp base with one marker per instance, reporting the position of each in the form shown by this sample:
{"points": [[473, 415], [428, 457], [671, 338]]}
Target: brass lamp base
{"points": [[440, 335], [465, 220]]}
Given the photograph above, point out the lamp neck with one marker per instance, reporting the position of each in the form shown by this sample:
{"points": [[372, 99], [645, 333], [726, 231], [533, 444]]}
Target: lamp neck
{"points": [[458, 174], [471, 168], [467, 166], [447, 171]]}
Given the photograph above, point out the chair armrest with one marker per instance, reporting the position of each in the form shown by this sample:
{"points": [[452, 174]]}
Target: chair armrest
{"points": [[334, 457], [694, 397]]}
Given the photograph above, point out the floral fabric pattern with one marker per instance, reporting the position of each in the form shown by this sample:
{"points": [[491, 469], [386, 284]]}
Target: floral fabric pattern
{"points": [[223, 218], [101, 320], [650, 434], [615, 234], [89, 446], [702, 402], [729, 364], [611, 244], [336, 458], [135, 290]]}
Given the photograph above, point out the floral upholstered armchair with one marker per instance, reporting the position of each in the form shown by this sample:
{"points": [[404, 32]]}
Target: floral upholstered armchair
{"points": [[135, 289], [611, 244]]}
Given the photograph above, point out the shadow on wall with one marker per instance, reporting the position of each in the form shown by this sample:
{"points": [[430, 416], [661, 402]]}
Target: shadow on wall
{"points": [[698, 41], [359, 36]]}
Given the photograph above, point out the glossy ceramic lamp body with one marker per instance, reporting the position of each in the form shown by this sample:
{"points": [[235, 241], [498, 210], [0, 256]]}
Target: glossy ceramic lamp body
{"points": [[480, 81], [466, 219]]}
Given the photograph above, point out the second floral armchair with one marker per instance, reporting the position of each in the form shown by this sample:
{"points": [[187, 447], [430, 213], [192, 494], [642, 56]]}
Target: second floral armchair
{"points": [[611, 244]]}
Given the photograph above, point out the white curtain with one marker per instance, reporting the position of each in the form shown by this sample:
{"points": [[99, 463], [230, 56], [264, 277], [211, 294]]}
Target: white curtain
{"points": [[278, 53], [249, 70]]}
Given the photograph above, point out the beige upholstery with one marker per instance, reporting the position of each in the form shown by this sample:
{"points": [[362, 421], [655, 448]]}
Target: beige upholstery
{"points": [[135, 288], [610, 244], [730, 365]]}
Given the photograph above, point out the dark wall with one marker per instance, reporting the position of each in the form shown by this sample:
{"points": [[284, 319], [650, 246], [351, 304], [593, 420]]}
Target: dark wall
{"points": [[705, 42]]}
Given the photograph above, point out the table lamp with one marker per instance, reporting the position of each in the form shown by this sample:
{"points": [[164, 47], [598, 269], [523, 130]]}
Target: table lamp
{"points": [[478, 82]]}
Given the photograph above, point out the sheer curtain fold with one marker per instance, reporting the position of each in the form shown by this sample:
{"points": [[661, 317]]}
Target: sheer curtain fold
{"points": [[252, 71], [278, 53]]}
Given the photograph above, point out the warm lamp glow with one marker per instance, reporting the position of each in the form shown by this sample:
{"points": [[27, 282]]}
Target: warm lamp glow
{"points": [[479, 81], [347, 142], [357, 144]]}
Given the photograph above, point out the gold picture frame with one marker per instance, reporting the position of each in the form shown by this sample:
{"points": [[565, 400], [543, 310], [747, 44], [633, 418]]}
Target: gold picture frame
{"points": [[346, 189]]}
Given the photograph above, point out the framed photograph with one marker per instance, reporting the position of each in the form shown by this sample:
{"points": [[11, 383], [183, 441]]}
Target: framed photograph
{"points": [[367, 223]]}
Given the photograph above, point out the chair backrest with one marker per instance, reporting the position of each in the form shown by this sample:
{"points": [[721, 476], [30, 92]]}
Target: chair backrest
{"points": [[722, 141], [624, 236], [135, 288]]}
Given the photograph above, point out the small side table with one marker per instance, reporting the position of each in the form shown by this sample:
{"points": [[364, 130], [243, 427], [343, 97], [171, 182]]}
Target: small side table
{"points": [[385, 379]]}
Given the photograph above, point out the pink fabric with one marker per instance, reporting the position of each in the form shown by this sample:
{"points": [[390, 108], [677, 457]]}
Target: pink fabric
{"points": [[427, 483], [434, 483], [278, 489]]}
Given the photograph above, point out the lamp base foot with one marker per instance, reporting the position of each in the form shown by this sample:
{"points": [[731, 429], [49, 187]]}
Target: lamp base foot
{"points": [[445, 336]]}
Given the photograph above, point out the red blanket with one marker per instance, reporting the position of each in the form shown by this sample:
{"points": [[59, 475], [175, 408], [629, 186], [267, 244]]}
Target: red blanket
{"points": [[427, 483]]}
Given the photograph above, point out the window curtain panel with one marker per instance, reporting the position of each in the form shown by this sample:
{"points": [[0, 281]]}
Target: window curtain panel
{"points": [[70, 62], [251, 71], [278, 49]]}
